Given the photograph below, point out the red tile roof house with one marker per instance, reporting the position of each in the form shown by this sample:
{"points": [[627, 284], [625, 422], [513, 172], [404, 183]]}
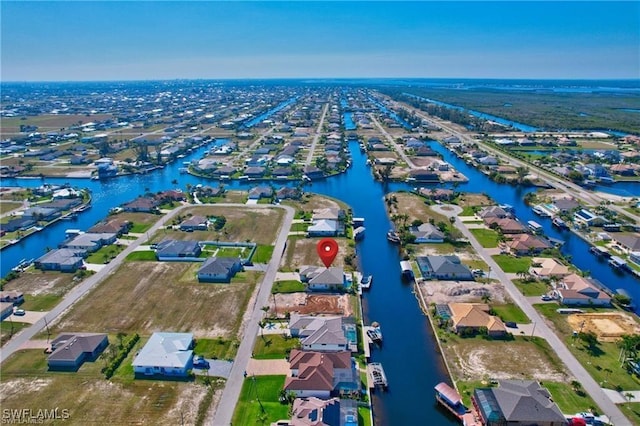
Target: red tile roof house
{"points": [[576, 290], [321, 374], [525, 244], [506, 225]]}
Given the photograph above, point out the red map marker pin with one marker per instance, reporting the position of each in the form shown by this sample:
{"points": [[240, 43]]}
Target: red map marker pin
{"points": [[327, 250]]}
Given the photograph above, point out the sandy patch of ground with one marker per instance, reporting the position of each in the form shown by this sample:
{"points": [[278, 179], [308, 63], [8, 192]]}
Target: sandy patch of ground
{"points": [[21, 386], [265, 367], [503, 360], [303, 303], [304, 253], [442, 292], [608, 326], [187, 403], [423, 161]]}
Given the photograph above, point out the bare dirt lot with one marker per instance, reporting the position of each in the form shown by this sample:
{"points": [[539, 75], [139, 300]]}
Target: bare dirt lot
{"points": [[304, 303], [441, 292], [608, 326], [414, 206], [303, 252], [36, 282], [471, 199], [310, 202], [144, 297], [478, 359]]}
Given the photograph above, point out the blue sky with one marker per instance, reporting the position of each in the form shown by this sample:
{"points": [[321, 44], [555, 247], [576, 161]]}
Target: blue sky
{"points": [[71, 40]]}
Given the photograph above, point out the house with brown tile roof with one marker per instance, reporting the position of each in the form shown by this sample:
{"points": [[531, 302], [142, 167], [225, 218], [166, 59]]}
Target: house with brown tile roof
{"points": [[116, 226], [474, 318], [524, 244], [505, 225], [546, 267], [577, 290], [321, 374]]}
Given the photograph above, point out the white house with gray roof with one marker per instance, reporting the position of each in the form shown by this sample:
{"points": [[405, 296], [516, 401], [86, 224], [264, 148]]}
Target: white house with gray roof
{"points": [[323, 333], [165, 354], [324, 279]]}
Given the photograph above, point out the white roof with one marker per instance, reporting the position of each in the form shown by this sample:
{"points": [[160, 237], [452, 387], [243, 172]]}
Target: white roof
{"points": [[166, 350]]}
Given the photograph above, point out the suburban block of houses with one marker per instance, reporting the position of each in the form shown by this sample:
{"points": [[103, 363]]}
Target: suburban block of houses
{"points": [[165, 354], [71, 350]]}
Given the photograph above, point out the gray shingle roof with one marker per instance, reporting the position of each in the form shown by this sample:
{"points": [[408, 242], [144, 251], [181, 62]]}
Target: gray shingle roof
{"points": [[166, 350]]}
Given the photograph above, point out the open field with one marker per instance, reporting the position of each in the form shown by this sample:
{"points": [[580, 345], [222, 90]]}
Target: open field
{"points": [[7, 206], [522, 358], [414, 206], [149, 296], [302, 252], [49, 122], [471, 199], [488, 238], [35, 282], [309, 202], [90, 398], [243, 224], [274, 346], [304, 303], [143, 221], [544, 109], [510, 264]]}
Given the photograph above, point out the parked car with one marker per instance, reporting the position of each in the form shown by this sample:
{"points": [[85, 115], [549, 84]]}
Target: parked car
{"points": [[511, 324], [545, 297], [200, 362], [19, 312]]}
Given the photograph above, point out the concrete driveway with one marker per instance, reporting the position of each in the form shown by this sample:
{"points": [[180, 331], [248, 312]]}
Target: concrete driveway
{"points": [[30, 317], [217, 368]]}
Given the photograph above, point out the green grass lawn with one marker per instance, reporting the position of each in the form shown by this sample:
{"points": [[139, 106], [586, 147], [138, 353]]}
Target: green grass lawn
{"points": [[468, 211], [533, 288], [265, 389], [274, 346], [139, 228], [299, 227], [288, 286], [105, 254], [230, 252], [364, 416], [141, 255], [8, 327], [510, 264], [262, 254], [488, 238], [465, 389], [41, 302], [511, 312], [567, 399], [632, 411], [216, 348]]}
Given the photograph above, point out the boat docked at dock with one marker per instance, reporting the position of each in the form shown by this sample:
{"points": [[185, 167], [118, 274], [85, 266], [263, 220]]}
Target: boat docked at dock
{"points": [[541, 211], [377, 377], [618, 263], [358, 233], [559, 223], [600, 251], [393, 237], [450, 399], [375, 335], [535, 227], [365, 282]]}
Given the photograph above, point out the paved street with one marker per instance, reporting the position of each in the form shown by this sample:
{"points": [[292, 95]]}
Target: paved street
{"points": [[542, 329], [224, 411]]}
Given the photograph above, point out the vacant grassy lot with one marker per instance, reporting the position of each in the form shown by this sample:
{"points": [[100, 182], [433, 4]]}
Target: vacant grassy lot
{"points": [[244, 224], [476, 358], [414, 206], [41, 302], [510, 264], [309, 202], [510, 312], [601, 361], [49, 122], [274, 346], [7, 206], [35, 282], [142, 255], [217, 348], [531, 288], [141, 221], [289, 286], [488, 238], [471, 199], [302, 252], [105, 254], [267, 390], [262, 254], [145, 297], [567, 399], [9, 328], [26, 383]]}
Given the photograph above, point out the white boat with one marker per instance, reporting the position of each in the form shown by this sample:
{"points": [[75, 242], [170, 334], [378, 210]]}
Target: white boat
{"points": [[541, 211], [535, 227], [377, 375], [358, 233], [559, 223], [365, 282], [393, 237]]}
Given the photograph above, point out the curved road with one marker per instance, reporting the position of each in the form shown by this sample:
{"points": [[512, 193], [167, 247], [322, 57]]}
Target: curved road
{"points": [[542, 329]]}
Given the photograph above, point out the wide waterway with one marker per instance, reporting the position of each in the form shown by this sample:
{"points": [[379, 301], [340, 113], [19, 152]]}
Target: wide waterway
{"points": [[409, 356]]}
